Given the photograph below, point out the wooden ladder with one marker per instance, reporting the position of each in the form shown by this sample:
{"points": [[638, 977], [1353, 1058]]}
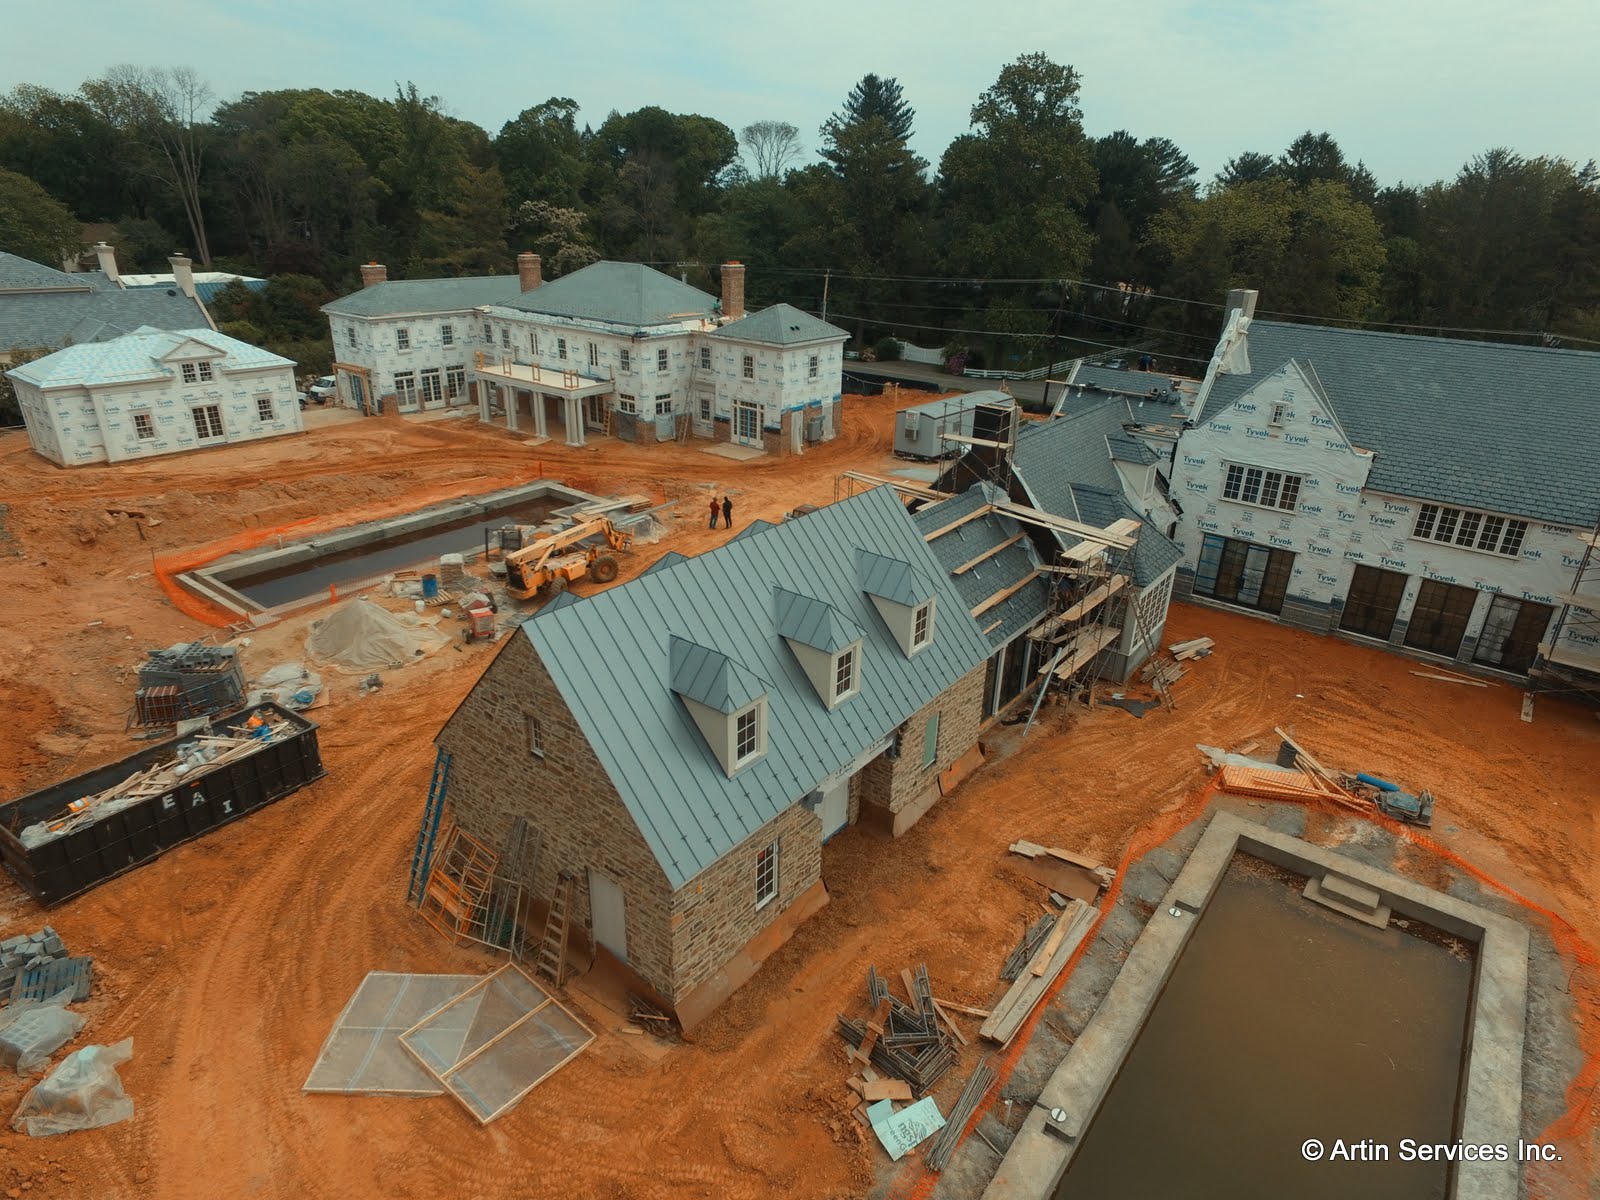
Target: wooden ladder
{"points": [[553, 950], [458, 884]]}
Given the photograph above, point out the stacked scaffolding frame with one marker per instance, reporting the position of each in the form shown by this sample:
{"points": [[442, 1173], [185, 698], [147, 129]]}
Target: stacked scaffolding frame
{"points": [[1568, 663]]}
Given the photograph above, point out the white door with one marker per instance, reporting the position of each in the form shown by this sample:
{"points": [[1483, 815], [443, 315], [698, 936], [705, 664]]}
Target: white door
{"points": [[607, 916], [704, 411], [834, 808], [747, 423]]}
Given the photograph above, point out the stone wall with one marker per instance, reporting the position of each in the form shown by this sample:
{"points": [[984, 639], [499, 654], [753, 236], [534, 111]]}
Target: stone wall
{"points": [[890, 785], [575, 816], [716, 914]]}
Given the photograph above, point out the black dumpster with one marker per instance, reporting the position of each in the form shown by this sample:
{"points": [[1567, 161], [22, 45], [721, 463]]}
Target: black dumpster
{"points": [[73, 863]]}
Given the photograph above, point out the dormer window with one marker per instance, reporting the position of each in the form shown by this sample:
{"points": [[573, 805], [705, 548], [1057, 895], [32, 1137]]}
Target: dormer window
{"points": [[747, 735], [845, 679], [903, 598], [922, 626], [825, 643], [727, 702]]}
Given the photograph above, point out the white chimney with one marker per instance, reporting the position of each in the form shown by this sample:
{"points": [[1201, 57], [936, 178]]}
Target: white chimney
{"points": [[108, 261], [183, 274]]}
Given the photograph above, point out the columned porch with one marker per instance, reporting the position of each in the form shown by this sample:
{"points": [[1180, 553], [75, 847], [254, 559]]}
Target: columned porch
{"points": [[575, 395]]}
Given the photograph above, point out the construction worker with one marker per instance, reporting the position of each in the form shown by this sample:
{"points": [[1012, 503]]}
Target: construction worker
{"points": [[727, 512], [715, 509]]}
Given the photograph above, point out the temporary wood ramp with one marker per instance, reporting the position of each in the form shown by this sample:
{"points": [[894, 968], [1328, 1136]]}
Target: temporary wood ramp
{"points": [[1070, 928]]}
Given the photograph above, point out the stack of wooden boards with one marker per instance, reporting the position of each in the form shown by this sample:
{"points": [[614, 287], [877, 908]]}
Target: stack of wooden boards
{"points": [[1172, 670], [1069, 930], [907, 1041]]}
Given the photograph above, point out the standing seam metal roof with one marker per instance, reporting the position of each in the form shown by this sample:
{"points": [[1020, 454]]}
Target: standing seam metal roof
{"points": [[1481, 424], [611, 658]]}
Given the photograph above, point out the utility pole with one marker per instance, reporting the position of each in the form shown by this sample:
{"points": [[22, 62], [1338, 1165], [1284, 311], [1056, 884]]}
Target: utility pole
{"points": [[826, 276]]}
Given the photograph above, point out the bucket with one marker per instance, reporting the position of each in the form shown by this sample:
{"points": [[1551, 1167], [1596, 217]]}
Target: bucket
{"points": [[430, 586]]}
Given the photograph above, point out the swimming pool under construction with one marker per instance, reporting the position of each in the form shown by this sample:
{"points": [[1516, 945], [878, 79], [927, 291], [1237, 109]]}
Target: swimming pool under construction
{"points": [[1291, 1021], [268, 581]]}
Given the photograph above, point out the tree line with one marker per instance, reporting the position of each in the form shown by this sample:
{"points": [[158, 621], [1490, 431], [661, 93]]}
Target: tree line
{"points": [[1029, 241]]}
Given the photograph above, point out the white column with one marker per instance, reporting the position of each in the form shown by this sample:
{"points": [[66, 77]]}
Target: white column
{"points": [[574, 421], [511, 408], [483, 398], [540, 421]]}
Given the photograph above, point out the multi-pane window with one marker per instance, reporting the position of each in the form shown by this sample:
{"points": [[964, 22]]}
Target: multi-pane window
{"points": [[624, 359], [561, 348], [1256, 485], [533, 343], [535, 737], [207, 421], [405, 389], [144, 426], [431, 392], [488, 333], [844, 674], [190, 375], [350, 335], [402, 339], [922, 626], [705, 358], [505, 338], [447, 335], [749, 366], [811, 367], [455, 381], [746, 734], [627, 403], [594, 355], [205, 372], [1470, 530], [664, 405], [661, 359], [766, 874], [263, 408]]}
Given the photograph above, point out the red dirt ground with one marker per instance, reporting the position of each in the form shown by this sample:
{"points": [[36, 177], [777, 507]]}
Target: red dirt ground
{"points": [[228, 959]]}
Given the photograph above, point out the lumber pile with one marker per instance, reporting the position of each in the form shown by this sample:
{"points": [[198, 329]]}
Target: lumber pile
{"points": [[1194, 648], [1169, 671], [1032, 850], [1069, 930], [906, 1041], [1024, 951]]}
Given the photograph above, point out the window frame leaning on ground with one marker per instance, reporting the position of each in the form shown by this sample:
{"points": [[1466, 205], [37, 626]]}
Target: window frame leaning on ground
{"points": [[768, 860]]}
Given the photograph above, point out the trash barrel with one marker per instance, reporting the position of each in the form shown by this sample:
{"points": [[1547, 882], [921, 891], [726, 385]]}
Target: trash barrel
{"points": [[430, 586]]}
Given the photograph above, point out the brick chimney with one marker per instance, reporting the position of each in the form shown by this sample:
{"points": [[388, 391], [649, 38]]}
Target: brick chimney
{"points": [[529, 270], [108, 261], [732, 291], [183, 275], [372, 273]]}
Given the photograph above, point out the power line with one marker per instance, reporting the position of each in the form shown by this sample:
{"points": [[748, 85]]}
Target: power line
{"points": [[1008, 333]]}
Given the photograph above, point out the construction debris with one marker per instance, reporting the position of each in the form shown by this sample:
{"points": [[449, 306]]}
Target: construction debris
{"points": [[905, 1040], [903, 1131], [1068, 930], [362, 1053], [653, 1019], [1450, 678], [1032, 939], [190, 679], [978, 1084], [1195, 648]]}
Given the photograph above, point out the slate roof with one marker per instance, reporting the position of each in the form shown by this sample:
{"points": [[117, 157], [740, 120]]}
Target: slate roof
{"points": [[611, 657], [1153, 554], [1016, 614], [617, 293], [780, 325], [71, 309], [136, 356], [401, 297], [1480, 424]]}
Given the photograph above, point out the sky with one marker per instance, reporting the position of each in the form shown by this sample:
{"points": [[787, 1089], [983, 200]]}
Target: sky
{"points": [[1414, 88]]}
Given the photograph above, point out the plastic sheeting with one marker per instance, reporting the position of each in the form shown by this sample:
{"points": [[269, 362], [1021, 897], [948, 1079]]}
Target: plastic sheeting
{"points": [[32, 1030], [362, 636], [84, 1092]]}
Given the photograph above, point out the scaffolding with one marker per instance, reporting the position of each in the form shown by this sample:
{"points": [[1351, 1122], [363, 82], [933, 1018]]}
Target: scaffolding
{"points": [[1568, 664], [189, 680]]}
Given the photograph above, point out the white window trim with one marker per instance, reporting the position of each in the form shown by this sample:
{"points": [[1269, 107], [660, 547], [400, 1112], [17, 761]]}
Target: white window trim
{"points": [[663, 360], [624, 360], [447, 335], [272, 412], [774, 857], [1283, 478], [1482, 516], [705, 357], [749, 366], [664, 398], [759, 708], [222, 429], [561, 349], [813, 366], [402, 339], [627, 404], [853, 652], [927, 639], [535, 732], [149, 424]]}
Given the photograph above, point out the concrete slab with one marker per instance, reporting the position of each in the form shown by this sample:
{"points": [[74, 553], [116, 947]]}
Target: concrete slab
{"points": [[737, 453], [1318, 892]]}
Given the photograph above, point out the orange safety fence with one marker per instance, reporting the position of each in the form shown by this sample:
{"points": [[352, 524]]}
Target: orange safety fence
{"points": [[1574, 1127]]}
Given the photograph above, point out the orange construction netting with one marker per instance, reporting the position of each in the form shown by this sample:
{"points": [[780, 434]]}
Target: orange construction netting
{"points": [[1573, 1129]]}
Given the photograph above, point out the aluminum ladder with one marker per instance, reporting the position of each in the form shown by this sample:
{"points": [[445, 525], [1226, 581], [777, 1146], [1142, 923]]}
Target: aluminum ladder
{"points": [[428, 832]]}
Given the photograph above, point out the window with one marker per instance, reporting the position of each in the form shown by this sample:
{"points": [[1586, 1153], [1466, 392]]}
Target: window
{"points": [[746, 735], [705, 407], [627, 403], [844, 674], [505, 338], [594, 355], [930, 741], [207, 422], [402, 339], [661, 359], [624, 359], [1255, 485], [189, 375], [144, 426], [447, 335], [1243, 573], [749, 366], [488, 333], [1470, 530], [535, 737], [533, 343], [1511, 632], [350, 336], [705, 358], [405, 389], [811, 367], [431, 393], [561, 348], [455, 381], [264, 408], [766, 875], [664, 405], [922, 626], [1278, 413], [205, 372]]}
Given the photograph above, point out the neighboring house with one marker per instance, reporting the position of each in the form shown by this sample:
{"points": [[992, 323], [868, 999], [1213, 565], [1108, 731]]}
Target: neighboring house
{"points": [[208, 285], [616, 348], [153, 392], [685, 742], [407, 344], [940, 428], [1428, 493], [42, 308]]}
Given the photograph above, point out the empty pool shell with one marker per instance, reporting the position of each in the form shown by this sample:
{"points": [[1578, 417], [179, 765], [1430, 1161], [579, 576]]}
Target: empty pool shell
{"points": [[73, 863]]}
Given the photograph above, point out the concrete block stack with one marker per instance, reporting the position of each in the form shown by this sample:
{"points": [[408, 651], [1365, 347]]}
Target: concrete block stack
{"points": [[452, 571], [18, 954]]}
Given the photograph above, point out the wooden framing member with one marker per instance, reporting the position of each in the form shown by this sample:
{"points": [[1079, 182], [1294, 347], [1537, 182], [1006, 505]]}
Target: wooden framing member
{"points": [[981, 511], [988, 554], [973, 441], [1088, 644], [906, 487], [1002, 596]]}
